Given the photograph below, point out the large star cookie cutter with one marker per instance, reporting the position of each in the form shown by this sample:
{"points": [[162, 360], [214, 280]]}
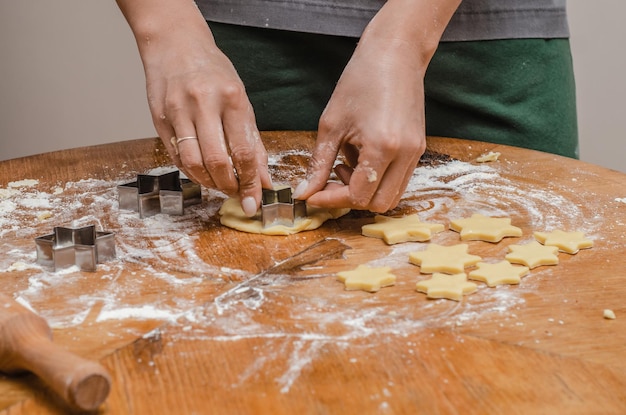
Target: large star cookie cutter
{"points": [[84, 247], [278, 207], [153, 194]]}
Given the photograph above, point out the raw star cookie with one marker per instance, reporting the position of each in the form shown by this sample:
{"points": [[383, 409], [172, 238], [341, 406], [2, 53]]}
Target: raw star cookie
{"points": [[484, 228], [568, 242], [533, 254], [452, 287], [366, 278], [232, 215], [404, 229], [496, 274], [448, 259]]}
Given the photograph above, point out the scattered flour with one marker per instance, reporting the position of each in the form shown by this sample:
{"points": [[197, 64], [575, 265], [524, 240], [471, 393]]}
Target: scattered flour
{"points": [[457, 189], [146, 312], [23, 183], [438, 192], [140, 244], [6, 193]]}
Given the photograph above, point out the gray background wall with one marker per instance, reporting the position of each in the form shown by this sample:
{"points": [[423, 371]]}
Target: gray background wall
{"points": [[70, 76]]}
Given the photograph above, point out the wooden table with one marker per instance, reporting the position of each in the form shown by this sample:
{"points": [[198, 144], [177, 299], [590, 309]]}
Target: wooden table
{"points": [[193, 317]]}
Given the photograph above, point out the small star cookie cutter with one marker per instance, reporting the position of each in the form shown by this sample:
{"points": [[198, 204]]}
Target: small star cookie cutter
{"points": [[153, 194], [278, 207], [84, 247]]}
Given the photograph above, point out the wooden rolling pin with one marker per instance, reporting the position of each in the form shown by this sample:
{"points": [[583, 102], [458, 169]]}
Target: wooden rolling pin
{"points": [[26, 345]]}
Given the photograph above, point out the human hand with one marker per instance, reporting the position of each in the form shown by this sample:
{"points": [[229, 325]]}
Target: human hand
{"points": [[202, 113], [376, 113], [376, 118]]}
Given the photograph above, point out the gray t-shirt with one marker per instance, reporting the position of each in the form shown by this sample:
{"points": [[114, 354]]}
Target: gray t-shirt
{"points": [[473, 20]]}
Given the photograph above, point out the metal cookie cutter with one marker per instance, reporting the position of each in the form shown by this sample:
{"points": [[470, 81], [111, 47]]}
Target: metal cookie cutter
{"points": [[152, 194], [84, 247], [278, 207]]}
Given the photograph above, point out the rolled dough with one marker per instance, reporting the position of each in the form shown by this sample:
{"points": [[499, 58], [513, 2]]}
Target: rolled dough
{"points": [[232, 215]]}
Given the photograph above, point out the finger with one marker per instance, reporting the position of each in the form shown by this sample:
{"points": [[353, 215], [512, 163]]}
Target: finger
{"points": [[403, 187], [214, 154], [391, 188], [246, 149], [366, 178], [395, 181], [320, 165], [165, 130], [381, 176], [188, 151], [331, 197], [413, 154], [190, 156], [246, 165], [363, 184], [262, 160], [385, 197], [188, 147]]}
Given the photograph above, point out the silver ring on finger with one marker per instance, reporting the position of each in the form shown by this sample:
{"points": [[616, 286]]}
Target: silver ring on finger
{"points": [[181, 139], [175, 141]]}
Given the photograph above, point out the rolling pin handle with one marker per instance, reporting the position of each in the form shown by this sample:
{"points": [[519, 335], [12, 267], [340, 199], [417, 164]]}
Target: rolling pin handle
{"points": [[26, 345]]}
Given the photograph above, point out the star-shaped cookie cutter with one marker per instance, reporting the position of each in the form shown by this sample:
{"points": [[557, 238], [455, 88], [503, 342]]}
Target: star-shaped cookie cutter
{"points": [[153, 194], [278, 207], [84, 247]]}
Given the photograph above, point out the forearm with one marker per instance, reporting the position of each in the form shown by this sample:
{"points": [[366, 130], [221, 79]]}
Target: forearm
{"points": [[160, 23], [195, 93], [413, 25]]}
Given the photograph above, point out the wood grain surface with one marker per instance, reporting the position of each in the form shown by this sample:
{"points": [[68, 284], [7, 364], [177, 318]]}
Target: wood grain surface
{"points": [[194, 318], [26, 346]]}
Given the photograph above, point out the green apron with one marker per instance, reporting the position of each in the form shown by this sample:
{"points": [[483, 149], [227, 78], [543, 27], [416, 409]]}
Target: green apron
{"points": [[518, 92]]}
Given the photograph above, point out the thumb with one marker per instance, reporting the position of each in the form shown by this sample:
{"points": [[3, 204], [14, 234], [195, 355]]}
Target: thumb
{"points": [[320, 166]]}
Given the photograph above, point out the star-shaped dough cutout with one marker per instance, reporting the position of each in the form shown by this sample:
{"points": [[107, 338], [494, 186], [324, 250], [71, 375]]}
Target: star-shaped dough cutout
{"points": [[447, 259], [366, 278], [568, 242], [533, 254], [405, 229], [452, 287], [499, 273], [484, 228]]}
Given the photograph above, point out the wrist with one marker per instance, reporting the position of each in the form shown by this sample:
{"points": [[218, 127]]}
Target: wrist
{"points": [[412, 26], [160, 22]]}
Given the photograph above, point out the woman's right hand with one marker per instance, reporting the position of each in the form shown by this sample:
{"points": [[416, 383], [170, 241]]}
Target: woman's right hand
{"points": [[199, 105]]}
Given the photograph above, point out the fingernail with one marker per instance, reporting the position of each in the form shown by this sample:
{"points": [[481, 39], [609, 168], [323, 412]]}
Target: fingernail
{"points": [[249, 206], [300, 189]]}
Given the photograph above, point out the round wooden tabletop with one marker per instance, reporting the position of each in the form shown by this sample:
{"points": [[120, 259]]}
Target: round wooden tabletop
{"points": [[193, 317]]}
